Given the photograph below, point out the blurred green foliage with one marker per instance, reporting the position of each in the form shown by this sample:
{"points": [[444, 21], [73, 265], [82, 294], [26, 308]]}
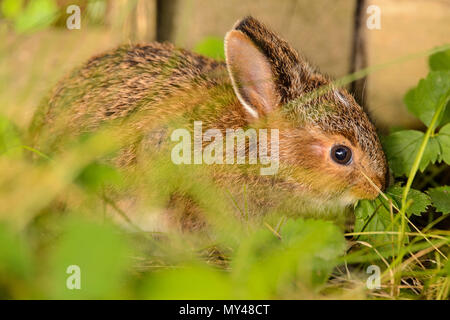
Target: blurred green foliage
{"points": [[97, 175], [31, 15], [10, 142], [11, 8], [101, 253], [96, 11], [263, 267], [211, 47], [15, 255]]}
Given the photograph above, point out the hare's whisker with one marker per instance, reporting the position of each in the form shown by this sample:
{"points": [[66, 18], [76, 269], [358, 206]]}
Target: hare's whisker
{"points": [[378, 189]]}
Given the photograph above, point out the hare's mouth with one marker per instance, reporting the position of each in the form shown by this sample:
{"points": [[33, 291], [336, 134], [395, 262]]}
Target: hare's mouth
{"points": [[365, 191]]}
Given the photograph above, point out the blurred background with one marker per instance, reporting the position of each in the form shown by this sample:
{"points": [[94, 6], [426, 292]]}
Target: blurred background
{"points": [[38, 48]]}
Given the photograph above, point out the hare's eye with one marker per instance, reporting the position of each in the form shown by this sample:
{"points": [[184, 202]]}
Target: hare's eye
{"points": [[341, 154]]}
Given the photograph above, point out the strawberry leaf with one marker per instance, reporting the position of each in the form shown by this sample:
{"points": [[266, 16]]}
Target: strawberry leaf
{"points": [[441, 198], [423, 100], [419, 200], [440, 61], [401, 147], [444, 141]]}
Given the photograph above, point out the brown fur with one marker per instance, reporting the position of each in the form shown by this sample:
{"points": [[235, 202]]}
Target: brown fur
{"points": [[158, 82]]}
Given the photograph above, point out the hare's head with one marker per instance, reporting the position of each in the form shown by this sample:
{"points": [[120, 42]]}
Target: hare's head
{"points": [[327, 141]]}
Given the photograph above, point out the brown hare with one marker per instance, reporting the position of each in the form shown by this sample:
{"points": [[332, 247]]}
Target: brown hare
{"points": [[328, 151]]}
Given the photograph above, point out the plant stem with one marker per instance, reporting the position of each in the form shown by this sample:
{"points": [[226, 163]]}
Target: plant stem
{"points": [[415, 167]]}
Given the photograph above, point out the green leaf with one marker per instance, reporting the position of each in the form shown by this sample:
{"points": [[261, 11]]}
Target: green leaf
{"points": [[188, 283], [306, 254], [10, 142], [263, 265], [419, 200], [401, 148], [441, 198], [423, 100], [431, 155], [11, 8], [38, 14], [102, 256], [15, 257], [440, 61], [445, 115], [444, 141], [373, 216], [211, 47], [325, 251], [96, 175]]}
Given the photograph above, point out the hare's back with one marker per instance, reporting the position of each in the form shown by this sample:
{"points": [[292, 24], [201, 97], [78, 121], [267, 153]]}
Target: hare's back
{"points": [[121, 82]]}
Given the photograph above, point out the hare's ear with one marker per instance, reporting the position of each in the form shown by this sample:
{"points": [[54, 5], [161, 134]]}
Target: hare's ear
{"points": [[266, 71], [251, 75]]}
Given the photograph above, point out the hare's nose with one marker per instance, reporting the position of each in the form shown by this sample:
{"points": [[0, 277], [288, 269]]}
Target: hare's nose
{"points": [[371, 193], [374, 186]]}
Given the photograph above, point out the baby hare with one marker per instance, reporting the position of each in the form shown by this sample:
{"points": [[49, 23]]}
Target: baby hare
{"points": [[328, 152]]}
